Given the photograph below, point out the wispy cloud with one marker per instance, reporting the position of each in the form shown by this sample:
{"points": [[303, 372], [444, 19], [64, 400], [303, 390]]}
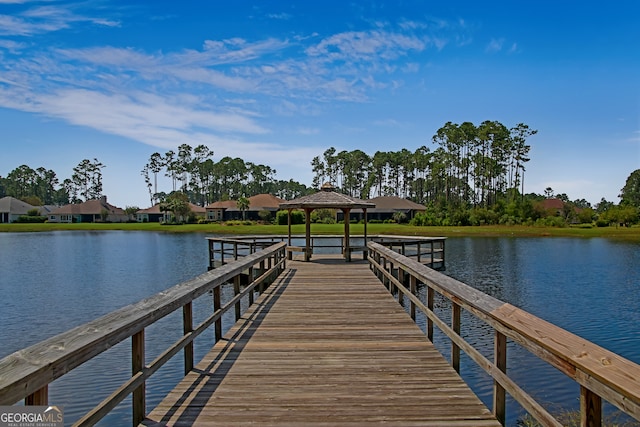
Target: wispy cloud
{"points": [[498, 45], [221, 93], [495, 45], [45, 19], [280, 16]]}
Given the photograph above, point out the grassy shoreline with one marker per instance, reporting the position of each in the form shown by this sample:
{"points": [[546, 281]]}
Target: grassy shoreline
{"points": [[621, 233]]}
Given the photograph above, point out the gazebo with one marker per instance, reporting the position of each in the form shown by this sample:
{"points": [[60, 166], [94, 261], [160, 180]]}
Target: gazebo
{"points": [[326, 198]]}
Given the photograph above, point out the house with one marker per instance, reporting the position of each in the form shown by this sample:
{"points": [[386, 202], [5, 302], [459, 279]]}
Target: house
{"points": [[554, 207], [228, 210], [386, 208], [11, 209], [216, 211], [557, 207], [154, 214], [97, 210]]}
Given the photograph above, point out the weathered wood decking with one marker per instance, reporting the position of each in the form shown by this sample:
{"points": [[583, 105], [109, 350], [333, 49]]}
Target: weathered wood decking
{"points": [[326, 344]]}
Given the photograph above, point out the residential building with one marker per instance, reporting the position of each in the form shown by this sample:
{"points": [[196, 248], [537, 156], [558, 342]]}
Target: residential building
{"points": [[97, 210], [228, 209], [154, 214]]}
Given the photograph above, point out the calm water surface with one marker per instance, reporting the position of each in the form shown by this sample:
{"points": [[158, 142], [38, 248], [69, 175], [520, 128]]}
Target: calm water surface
{"points": [[51, 282]]}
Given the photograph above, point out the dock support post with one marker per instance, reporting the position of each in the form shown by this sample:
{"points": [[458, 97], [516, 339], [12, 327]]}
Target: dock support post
{"points": [[251, 279], [400, 291], [187, 327], [590, 408], [430, 306], [236, 291], [137, 365], [216, 307], [413, 289], [500, 360], [455, 325], [39, 397]]}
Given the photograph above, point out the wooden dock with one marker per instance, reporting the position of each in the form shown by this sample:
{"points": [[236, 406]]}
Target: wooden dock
{"points": [[326, 344]]}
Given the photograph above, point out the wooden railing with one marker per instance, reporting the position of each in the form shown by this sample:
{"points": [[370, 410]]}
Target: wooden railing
{"points": [[27, 373], [600, 373], [426, 250]]}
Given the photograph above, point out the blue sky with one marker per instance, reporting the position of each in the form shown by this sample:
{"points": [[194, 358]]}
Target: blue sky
{"points": [[278, 83]]}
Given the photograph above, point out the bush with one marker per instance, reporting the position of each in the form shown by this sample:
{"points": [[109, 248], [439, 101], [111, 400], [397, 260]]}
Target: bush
{"points": [[297, 217], [551, 221], [31, 219]]}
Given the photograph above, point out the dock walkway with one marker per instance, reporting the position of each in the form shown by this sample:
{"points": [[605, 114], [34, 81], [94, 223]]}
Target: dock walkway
{"points": [[325, 345]]}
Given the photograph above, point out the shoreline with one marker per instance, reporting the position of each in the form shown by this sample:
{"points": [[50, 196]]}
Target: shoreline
{"points": [[631, 234]]}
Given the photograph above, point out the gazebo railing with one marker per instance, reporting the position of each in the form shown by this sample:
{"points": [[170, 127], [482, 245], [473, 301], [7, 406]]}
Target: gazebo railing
{"points": [[429, 251]]}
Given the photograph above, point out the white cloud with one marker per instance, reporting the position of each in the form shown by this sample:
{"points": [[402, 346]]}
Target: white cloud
{"points": [[495, 45], [280, 16], [218, 95], [45, 19]]}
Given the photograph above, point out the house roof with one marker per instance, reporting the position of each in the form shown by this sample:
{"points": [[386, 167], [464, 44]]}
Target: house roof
{"points": [[327, 198], [90, 207], [258, 202], [14, 206], [155, 209], [223, 204], [393, 203], [264, 201], [552, 204]]}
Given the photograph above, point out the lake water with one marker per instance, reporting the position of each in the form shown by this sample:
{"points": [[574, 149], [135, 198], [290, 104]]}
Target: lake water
{"points": [[51, 282]]}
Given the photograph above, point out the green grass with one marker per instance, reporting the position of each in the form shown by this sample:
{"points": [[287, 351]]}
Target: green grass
{"points": [[622, 233]]}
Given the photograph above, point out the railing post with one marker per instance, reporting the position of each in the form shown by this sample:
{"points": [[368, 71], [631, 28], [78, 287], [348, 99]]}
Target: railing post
{"points": [[430, 306], [137, 365], [401, 280], [418, 252], [221, 252], [251, 279], [384, 277], [433, 259], [39, 397], [261, 287], [455, 325], [500, 360], [413, 289], [236, 291], [216, 307], [590, 408], [187, 327]]}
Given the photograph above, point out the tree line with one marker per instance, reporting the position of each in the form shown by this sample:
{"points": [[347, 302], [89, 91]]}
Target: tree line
{"points": [[469, 174], [470, 166], [193, 172], [42, 186]]}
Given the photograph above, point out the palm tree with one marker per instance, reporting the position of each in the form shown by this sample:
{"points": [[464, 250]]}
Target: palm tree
{"points": [[243, 206]]}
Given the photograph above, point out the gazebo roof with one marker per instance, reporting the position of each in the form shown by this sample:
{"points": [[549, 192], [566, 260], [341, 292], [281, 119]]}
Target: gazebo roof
{"points": [[326, 198]]}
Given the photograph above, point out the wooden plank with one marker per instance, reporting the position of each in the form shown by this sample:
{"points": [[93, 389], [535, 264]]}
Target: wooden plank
{"points": [[324, 345]]}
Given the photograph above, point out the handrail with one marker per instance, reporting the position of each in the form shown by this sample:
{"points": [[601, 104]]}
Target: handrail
{"points": [[599, 372], [428, 250], [27, 373]]}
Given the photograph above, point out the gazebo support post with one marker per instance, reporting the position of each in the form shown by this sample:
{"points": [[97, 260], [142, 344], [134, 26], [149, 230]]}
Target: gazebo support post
{"points": [[347, 249], [365, 234], [307, 249], [290, 255]]}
